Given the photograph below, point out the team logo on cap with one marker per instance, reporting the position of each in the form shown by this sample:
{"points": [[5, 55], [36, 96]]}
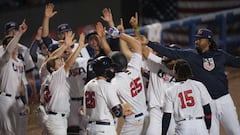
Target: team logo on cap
{"points": [[208, 64], [63, 27]]}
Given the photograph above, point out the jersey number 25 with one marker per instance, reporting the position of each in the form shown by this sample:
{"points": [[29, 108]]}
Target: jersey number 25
{"points": [[186, 99], [136, 86]]}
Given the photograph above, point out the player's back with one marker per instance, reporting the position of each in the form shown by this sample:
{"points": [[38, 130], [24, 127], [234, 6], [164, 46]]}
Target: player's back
{"points": [[99, 99], [188, 98], [131, 90]]}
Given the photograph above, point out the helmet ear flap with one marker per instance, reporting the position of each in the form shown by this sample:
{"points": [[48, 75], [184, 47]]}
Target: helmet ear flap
{"points": [[109, 74]]}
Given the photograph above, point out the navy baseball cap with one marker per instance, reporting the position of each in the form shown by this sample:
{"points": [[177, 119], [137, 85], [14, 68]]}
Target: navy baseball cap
{"points": [[53, 47], [90, 33], [204, 33], [63, 28], [10, 26]]}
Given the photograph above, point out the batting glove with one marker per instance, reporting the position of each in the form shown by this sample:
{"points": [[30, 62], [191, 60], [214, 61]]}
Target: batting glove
{"points": [[114, 32]]}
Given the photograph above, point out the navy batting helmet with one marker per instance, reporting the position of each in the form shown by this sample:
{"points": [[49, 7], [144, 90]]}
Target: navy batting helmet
{"points": [[119, 61], [102, 67]]}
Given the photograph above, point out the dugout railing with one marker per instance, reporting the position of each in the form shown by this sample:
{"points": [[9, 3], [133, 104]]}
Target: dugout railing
{"points": [[220, 21]]}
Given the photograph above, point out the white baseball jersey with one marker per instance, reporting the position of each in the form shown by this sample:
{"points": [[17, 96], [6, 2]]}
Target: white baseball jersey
{"points": [[59, 92], [77, 77], [158, 82], [99, 99], [40, 60], [11, 74], [76, 80], [130, 86], [26, 58], [43, 72], [186, 100], [28, 62]]}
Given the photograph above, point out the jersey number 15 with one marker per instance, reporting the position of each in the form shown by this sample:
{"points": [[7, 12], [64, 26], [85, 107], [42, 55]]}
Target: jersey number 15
{"points": [[186, 99]]}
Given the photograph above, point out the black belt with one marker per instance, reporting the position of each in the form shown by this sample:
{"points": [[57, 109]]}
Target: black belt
{"points": [[100, 122], [138, 115], [77, 98], [9, 95], [5, 94], [135, 116], [191, 118], [54, 113]]}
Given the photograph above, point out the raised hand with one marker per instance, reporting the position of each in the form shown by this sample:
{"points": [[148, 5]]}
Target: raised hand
{"points": [[134, 21], [69, 38], [81, 40], [120, 27], [100, 30], [23, 27], [39, 33], [114, 32], [107, 16], [49, 10]]}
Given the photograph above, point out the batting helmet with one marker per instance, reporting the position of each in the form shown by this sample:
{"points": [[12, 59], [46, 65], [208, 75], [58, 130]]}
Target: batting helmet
{"points": [[119, 61], [102, 67]]}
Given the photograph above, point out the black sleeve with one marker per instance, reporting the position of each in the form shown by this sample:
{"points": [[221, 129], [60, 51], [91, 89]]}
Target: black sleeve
{"points": [[114, 44], [208, 115], [165, 122], [47, 41], [117, 110], [169, 52], [33, 50]]}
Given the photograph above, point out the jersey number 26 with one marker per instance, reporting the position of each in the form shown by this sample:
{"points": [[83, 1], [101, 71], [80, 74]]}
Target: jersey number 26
{"points": [[90, 99]]}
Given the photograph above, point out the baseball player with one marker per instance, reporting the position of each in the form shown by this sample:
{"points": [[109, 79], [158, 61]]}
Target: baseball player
{"points": [[101, 101], [38, 50], [57, 93], [61, 29], [129, 84], [159, 80], [11, 28], [12, 72], [189, 102], [77, 80], [207, 63]]}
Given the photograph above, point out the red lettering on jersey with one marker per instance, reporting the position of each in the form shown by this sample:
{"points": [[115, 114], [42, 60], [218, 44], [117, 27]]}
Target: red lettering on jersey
{"points": [[136, 87], [186, 99], [18, 68], [90, 99], [76, 71], [47, 94]]}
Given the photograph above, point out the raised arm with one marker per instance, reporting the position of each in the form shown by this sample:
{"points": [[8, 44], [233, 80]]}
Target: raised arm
{"points": [[102, 34], [107, 16], [13, 43], [71, 59], [67, 43], [49, 13], [134, 23], [35, 44]]}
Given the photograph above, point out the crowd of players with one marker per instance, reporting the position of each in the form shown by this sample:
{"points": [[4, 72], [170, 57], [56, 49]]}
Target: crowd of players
{"points": [[127, 83]]}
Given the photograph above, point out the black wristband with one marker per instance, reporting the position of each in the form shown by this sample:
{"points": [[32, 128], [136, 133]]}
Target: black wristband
{"points": [[24, 99]]}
